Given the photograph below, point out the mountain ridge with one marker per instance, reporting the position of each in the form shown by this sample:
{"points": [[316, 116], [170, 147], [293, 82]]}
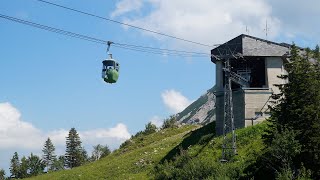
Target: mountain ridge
{"points": [[201, 111]]}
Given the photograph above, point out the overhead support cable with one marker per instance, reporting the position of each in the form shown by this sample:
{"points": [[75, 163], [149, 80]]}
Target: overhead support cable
{"points": [[152, 50], [145, 49], [125, 24]]}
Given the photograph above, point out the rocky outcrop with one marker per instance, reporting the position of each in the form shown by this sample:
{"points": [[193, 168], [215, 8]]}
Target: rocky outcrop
{"points": [[201, 111]]}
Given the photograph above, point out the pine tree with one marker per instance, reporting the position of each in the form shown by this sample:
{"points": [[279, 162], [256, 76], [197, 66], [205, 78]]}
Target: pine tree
{"points": [[2, 174], [24, 166], [15, 166], [298, 108], [48, 153], [316, 52], [84, 158], [74, 152]]}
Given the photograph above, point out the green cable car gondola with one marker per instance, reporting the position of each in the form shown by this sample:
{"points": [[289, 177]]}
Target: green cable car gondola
{"points": [[110, 69]]}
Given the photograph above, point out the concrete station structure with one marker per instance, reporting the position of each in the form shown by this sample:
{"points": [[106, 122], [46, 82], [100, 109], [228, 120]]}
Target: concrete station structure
{"points": [[260, 62]]}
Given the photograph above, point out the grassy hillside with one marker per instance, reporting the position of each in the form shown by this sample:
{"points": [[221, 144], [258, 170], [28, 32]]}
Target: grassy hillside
{"points": [[198, 156], [159, 155], [133, 161]]}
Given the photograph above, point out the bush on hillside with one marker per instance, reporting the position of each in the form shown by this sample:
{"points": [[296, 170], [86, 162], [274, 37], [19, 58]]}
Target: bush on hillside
{"points": [[186, 166], [169, 122], [150, 128], [139, 136]]}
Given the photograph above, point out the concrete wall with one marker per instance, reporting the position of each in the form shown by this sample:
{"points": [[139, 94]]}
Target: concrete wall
{"points": [[274, 68], [238, 110], [219, 76], [248, 103], [255, 101], [219, 113], [219, 98]]}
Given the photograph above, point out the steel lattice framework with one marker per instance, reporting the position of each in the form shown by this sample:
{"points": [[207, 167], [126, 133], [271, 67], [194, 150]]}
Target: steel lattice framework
{"points": [[229, 147]]}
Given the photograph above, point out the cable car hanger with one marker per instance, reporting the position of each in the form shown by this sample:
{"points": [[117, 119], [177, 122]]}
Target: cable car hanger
{"points": [[108, 48]]}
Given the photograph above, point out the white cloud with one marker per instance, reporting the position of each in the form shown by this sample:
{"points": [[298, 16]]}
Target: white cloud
{"points": [[58, 137], [16, 133], [156, 120], [298, 18], [23, 137], [206, 21], [215, 21], [174, 100], [112, 137], [125, 6]]}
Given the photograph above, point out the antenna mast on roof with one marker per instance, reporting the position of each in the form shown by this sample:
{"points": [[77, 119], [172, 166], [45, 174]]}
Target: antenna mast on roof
{"points": [[247, 30], [266, 29]]}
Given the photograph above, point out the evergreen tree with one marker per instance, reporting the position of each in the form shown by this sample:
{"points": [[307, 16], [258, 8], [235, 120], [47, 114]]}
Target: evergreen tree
{"points": [[298, 108], [35, 165], [308, 53], [74, 152], [15, 166], [2, 174], [84, 158], [48, 153], [316, 52], [24, 166]]}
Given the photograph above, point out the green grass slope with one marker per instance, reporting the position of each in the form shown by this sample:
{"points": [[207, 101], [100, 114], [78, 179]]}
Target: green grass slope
{"points": [[157, 156], [198, 156], [133, 161]]}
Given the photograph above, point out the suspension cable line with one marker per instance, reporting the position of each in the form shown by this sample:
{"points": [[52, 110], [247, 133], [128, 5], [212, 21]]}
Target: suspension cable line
{"points": [[145, 49], [125, 24]]}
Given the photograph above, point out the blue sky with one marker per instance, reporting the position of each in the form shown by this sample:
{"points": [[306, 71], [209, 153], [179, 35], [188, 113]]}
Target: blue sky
{"points": [[50, 82]]}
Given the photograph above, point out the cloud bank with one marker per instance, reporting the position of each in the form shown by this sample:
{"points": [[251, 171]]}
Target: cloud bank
{"points": [[215, 21], [18, 134], [206, 21], [156, 120], [125, 6], [175, 101]]}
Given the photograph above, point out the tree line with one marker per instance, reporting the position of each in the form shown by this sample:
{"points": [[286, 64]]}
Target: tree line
{"points": [[75, 155], [292, 140]]}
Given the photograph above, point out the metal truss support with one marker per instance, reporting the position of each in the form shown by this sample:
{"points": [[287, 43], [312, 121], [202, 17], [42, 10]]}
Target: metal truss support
{"points": [[229, 148]]}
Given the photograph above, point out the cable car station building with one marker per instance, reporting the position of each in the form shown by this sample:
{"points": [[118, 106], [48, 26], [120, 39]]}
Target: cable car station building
{"points": [[255, 63]]}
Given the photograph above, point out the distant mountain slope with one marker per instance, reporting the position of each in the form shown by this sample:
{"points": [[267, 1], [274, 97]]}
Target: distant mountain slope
{"points": [[201, 111]]}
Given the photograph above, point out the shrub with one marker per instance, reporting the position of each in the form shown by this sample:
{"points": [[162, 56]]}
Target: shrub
{"points": [[150, 128], [169, 122]]}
